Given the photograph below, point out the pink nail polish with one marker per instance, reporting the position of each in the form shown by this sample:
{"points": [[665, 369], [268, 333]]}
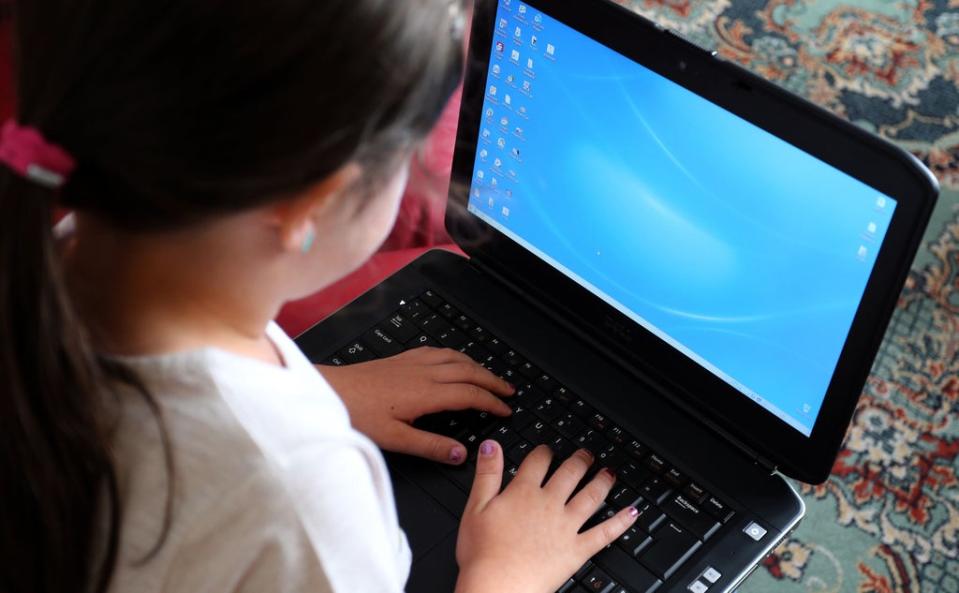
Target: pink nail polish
{"points": [[487, 448], [457, 454], [609, 473], [633, 512]]}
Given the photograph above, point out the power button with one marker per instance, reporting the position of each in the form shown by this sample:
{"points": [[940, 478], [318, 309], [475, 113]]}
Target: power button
{"points": [[755, 531]]}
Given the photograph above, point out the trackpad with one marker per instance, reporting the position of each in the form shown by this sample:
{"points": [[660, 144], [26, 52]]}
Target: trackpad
{"points": [[436, 572], [425, 522]]}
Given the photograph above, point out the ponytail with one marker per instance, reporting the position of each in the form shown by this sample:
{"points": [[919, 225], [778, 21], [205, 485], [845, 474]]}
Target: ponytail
{"points": [[58, 485]]}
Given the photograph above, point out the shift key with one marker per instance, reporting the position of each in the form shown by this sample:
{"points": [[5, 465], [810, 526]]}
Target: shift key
{"points": [[672, 545]]}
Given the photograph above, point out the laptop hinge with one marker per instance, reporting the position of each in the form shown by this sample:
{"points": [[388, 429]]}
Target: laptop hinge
{"points": [[749, 452]]}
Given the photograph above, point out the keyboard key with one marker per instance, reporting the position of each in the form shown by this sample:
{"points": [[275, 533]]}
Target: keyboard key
{"points": [[700, 523], [655, 490], [382, 343], [432, 299], [695, 492], [511, 470], [335, 360], [568, 587], [496, 346], [634, 577], [564, 395], [518, 452], [622, 496], [479, 334], [698, 587], [581, 409], [672, 545], [448, 311], [433, 324], [529, 370], [561, 448], [569, 426], [599, 422], [512, 358], [597, 581], [463, 322], [675, 477], [400, 327], [548, 409], [610, 457], [636, 450], [475, 350], [656, 464], [505, 435], [528, 395], [581, 573], [538, 433], [414, 309], [633, 542], [422, 340], [649, 517], [593, 441], [632, 475], [356, 352], [617, 436], [521, 417], [546, 382], [718, 509], [451, 337]]}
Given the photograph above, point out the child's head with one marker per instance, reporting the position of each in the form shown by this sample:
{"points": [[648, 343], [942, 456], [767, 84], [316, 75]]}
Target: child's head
{"points": [[179, 114]]}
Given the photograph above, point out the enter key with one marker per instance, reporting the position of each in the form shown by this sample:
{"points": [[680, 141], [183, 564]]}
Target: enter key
{"points": [[690, 516]]}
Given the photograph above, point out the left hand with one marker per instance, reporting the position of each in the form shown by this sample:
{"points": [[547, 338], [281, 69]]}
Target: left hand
{"points": [[385, 396]]}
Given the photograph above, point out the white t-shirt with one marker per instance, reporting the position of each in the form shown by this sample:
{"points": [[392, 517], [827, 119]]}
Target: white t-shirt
{"points": [[274, 490]]}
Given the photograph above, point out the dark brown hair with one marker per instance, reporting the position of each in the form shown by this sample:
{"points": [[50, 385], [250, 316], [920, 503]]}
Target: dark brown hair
{"points": [[176, 112]]}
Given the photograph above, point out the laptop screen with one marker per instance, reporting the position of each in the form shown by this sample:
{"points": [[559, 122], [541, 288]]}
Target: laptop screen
{"points": [[741, 251]]}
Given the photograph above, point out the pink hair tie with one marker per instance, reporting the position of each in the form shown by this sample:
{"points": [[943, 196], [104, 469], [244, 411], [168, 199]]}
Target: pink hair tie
{"points": [[25, 151]]}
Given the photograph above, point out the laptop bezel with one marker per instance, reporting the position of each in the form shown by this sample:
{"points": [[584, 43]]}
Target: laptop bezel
{"points": [[814, 130]]}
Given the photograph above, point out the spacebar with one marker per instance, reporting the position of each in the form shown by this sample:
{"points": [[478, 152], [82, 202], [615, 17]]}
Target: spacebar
{"points": [[627, 570]]}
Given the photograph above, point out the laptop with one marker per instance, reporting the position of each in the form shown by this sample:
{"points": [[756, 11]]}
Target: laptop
{"points": [[683, 268]]}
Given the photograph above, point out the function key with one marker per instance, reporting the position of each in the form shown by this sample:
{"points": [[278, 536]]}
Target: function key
{"points": [[530, 370], [513, 358], [564, 395], [356, 352], [636, 449], [479, 334], [463, 322], [497, 346], [599, 422], [448, 311], [400, 327], [718, 509], [544, 381], [616, 435], [581, 409], [432, 299]]}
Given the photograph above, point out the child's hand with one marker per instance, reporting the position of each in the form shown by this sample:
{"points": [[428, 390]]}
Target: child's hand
{"points": [[385, 396], [526, 539]]}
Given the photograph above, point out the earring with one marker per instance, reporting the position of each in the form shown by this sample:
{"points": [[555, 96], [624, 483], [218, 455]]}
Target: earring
{"points": [[308, 241]]}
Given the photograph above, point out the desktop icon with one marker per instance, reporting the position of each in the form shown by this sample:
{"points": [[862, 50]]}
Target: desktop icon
{"points": [[538, 18], [514, 55], [492, 90], [493, 182], [500, 47], [518, 32], [550, 49], [481, 174], [871, 228], [515, 152], [529, 64], [489, 113], [504, 121], [510, 79], [496, 69], [501, 143], [533, 40], [862, 251], [491, 202], [508, 100], [880, 202], [522, 9], [518, 131], [484, 153], [498, 163], [526, 86], [486, 133], [502, 23], [505, 211]]}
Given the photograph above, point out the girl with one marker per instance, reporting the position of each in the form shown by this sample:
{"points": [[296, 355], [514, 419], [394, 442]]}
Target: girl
{"points": [[160, 433]]}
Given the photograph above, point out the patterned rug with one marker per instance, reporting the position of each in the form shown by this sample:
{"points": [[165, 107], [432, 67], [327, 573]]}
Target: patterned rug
{"points": [[888, 518]]}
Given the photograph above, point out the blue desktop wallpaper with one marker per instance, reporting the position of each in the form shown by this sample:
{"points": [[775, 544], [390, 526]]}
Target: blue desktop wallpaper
{"points": [[745, 253]]}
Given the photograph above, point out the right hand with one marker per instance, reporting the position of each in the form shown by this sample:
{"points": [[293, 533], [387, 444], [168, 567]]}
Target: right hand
{"points": [[526, 539]]}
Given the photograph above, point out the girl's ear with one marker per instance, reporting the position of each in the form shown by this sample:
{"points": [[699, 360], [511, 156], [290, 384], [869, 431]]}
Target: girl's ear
{"points": [[295, 219]]}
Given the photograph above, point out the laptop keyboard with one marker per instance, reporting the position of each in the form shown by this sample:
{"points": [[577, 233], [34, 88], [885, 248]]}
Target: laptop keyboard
{"points": [[676, 515]]}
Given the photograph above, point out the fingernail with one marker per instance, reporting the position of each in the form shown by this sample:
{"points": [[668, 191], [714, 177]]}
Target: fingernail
{"points": [[588, 454], [457, 454], [487, 448], [609, 473], [512, 387], [633, 512]]}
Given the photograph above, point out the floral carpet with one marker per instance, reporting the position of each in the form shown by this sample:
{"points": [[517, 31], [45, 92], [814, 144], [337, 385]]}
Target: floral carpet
{"points": [[888, 518]]}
